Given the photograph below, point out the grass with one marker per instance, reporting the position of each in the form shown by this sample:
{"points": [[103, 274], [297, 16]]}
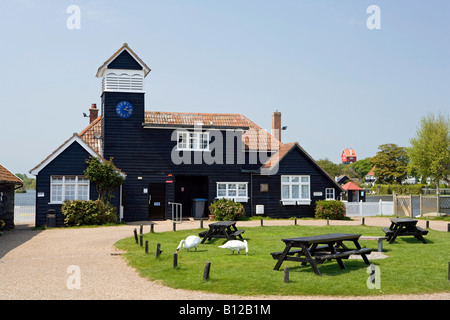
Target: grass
{"points": [[411, 267]]}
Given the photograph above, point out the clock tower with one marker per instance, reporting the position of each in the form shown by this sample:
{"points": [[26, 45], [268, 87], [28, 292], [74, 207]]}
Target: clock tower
{"points": [[122, 107]]}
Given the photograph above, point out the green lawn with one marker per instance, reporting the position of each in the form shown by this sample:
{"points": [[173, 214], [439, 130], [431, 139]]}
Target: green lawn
{"points": [[412, 267]]}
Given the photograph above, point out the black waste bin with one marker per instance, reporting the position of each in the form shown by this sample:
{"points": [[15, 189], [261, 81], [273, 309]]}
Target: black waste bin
{"points": [[51, 218], [198, 207]]}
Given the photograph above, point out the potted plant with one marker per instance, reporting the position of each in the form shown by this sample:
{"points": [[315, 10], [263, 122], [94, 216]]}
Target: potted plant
{"points": [[211, 208]]}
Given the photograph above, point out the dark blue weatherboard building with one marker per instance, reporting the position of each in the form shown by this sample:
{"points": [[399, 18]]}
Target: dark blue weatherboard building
{"points": [[171, 157]]}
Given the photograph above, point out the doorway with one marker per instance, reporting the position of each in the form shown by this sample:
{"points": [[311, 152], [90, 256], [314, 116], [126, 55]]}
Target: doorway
{"points": [[188, 188], [157, 201]]}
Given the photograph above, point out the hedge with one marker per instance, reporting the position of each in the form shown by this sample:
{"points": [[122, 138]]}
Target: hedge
{"points": [[92, 212], [335, 210]]}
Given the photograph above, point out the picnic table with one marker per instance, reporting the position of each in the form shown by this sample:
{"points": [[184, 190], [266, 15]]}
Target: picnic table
{"points": [[404, 227], [222, 229], [310, 251]]}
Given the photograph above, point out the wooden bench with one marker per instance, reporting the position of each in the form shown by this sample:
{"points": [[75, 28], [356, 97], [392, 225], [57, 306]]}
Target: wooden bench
{"points": [[238, 233], [320, 258], [202, 234], [379, 239]]}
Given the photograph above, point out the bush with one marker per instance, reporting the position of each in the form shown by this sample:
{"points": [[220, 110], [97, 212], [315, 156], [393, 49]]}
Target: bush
{"points": [[227, 210], [334, 210], [78, 213]]}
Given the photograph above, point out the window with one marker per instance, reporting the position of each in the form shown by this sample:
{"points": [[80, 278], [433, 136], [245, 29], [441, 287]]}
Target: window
{"points": [[295, 190], [68, 188], [193, 141], [329, 194], [237, 191]]}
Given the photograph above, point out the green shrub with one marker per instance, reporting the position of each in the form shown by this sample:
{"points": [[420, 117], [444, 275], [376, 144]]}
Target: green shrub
{"points": [[78, 213], [334, 210], [227, 210]]}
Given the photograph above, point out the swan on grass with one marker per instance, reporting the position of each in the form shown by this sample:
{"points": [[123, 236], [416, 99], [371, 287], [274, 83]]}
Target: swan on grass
{"points": [[236, 245], [189, 243]]}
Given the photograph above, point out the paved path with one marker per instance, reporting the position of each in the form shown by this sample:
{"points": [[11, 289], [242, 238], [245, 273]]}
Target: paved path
{"points": [[35, 264]]}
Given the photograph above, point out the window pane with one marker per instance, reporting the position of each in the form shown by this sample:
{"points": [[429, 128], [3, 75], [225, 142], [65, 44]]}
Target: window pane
{"points": [[83, 192], [295, 192], [56, 193], [305, 192], [284, 179], [204, 141], [285, 192], [305, 179], [242, 192], [295, 179], [69, 192]]}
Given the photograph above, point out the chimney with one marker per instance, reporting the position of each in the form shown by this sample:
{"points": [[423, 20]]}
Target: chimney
{"points": [[93, 113], [276, 125]]}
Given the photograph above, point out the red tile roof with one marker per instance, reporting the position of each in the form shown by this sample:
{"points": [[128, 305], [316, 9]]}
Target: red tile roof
{"points": [[254, 137], [7, 176], [350, 186]]}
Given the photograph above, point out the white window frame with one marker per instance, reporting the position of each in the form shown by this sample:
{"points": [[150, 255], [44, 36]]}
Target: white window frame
{"points": [[192, 141], [330, 192], [233, 193], [59, 189], [291, 184]]}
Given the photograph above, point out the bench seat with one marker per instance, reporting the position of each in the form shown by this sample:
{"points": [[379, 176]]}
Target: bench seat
{"points": [[344, 254]]}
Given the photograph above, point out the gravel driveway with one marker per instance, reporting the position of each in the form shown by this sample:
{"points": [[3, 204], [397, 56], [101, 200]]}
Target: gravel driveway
{"points": [[37, 265]]}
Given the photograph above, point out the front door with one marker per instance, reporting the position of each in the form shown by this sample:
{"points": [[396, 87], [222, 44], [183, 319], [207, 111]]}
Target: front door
{"points": [[157, 201]]}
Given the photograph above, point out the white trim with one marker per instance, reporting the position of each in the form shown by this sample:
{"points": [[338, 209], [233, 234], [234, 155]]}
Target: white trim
{"points": [[104, 67], [334, 194], [297, 200], [64, 184], [75, 138], [123, 80], [237, 197]]}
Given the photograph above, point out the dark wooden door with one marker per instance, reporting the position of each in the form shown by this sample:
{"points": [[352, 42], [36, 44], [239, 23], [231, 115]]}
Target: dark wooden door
{"points": [[157, 201]]}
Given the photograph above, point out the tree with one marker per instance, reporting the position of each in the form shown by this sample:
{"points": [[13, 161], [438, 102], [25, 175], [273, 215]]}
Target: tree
{"points": [[430, 148], [104, 175], [391, 163]]}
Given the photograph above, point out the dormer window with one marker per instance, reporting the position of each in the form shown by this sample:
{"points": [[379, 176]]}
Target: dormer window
{"points": [[194, 141], [123, 81]]}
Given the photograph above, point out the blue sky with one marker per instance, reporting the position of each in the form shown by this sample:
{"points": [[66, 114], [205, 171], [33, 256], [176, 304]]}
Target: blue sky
{"points": [[337, 83]]}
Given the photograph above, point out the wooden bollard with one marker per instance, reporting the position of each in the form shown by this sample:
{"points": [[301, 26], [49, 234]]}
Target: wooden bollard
{"points": [[141, 239], [328, 221], [201, 223], [146, 246], [427, 224], [363, 221], [295, 221], [152, 229], [174, 226], [206, 271], [158, 250], [286, 274], [448, 227], [262, 224], [141, 227], [175, 260], [135, 235]]}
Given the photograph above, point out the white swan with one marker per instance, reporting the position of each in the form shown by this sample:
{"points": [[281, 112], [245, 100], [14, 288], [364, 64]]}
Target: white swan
{"points": [[236, 245], [189, 243]]}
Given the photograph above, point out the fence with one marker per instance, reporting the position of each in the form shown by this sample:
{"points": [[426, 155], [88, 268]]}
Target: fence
{"points": [[422, 205], [24, 214], [369, 209]]}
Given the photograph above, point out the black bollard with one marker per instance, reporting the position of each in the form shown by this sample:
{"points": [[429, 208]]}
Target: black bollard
{"points": [[175, 260], [152, 229], [158, 250], [295, 221], [146, 246], [201, 223], [363, 221], [262, 223], [427, 224], [448, 227], [174, 226], [286, 274], [206, 271], [141, 239], [135, 235], [141, 229]]}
